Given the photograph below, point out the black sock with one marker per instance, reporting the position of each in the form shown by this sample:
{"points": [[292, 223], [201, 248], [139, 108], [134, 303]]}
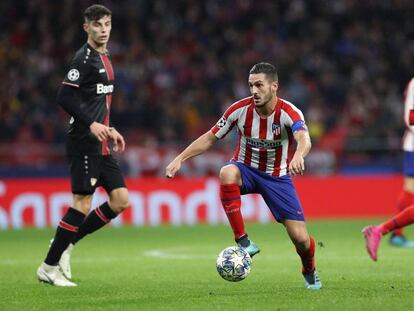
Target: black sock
{"points": [[65, 232], [96, 219], [243, 241]]}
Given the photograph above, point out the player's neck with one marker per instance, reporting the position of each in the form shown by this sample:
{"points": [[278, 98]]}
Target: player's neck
{"points": [[100, 48], [267, 109]]}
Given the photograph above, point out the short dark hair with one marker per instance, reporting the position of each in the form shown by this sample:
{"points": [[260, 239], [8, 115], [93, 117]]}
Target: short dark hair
{"points": [[268, 69], [96, 12]]}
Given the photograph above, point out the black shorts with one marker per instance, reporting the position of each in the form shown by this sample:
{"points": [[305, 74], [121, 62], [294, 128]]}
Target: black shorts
{"points": [[87, 172]]}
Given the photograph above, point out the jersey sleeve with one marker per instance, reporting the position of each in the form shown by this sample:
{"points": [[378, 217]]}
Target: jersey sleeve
{"points": [[409, 105], [68, 99], [225, 123], [295, 120], [78, 69]]}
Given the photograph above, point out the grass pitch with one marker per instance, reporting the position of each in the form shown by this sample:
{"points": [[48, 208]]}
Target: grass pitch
{"points": [[173, 268]]}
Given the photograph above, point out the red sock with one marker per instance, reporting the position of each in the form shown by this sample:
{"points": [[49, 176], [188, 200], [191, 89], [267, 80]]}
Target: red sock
{"points": [[230, 198], [405, 199], [402, 219], [308, 257]]}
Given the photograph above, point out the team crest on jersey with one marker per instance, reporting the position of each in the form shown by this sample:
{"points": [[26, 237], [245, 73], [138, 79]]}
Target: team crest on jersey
{"points": [[222, 122], [73, 74], [276, 129]]}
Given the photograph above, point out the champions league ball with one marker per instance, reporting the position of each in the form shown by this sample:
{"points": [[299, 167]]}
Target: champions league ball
{"points": [[234, 264]]}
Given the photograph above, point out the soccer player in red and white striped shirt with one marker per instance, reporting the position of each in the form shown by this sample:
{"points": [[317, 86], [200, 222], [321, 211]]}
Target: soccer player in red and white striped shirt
{"points": [[373, 234], [406, 197], [273, 142]]}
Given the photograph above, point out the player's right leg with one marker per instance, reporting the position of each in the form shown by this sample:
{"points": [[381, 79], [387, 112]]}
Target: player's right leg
{"points": [[84, 176], [65, 233], [230, 183]]}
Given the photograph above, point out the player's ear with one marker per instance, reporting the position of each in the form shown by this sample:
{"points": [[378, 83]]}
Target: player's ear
{"points": [[275, 85], [85, 27]]}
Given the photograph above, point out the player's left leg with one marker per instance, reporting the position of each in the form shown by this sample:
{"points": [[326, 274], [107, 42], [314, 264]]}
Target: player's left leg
{"points": [[103, 214], [280, 196], [305, 247], [405, 199]]}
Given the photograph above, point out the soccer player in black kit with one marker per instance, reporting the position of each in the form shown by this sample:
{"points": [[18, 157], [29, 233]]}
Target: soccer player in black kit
{"points": [[86, 94]]}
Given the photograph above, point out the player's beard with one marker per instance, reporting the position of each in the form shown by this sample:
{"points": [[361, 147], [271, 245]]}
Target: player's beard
{"points": [[265, 99]]}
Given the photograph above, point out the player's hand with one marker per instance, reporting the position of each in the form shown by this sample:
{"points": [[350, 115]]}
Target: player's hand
{"points": [[297, 165], [118, 139], [173, 168], [100, 131]]}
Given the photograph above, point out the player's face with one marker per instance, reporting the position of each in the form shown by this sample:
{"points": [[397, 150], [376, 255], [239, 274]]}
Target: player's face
{"points": [[99, 30], [262, 89]]}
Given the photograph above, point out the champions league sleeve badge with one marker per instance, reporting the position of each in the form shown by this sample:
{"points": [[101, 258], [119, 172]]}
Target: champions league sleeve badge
{"points": [[222, 122], [73, 74]]}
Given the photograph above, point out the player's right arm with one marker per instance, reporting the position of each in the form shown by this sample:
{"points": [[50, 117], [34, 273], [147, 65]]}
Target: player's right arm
{"points": [[205, 141], [69, 98], [200, 145]]}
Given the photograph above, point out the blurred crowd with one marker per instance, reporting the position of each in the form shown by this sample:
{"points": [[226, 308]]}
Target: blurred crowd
{"points": [[179, 64]]}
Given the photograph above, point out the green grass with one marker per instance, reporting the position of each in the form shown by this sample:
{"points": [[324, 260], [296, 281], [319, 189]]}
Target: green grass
{"points": [[173, 268]]}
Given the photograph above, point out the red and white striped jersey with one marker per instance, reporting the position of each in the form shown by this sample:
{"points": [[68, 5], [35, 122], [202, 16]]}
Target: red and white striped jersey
{"points": [[408, 139], [264, 143]]}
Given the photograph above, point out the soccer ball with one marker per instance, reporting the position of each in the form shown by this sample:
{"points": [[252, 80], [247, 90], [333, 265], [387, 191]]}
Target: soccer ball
{"points": [[234, 264]]}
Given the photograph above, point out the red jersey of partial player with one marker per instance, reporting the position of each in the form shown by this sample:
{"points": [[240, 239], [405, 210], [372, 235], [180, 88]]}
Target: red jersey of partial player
{"points": [[264, 143], [408, 139]]}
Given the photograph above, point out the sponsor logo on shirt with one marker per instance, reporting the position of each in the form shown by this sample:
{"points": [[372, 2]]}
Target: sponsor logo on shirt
{"points": [[263, 143], [104, 89]]}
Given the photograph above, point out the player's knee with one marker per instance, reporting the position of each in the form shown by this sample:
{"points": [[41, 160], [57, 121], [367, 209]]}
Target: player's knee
{"points": [[119, 200], [82, 203], [229, 174], [301, 241], [299, 237]]}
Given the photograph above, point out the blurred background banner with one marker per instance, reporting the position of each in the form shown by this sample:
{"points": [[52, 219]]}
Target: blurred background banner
{"points": [[180, 64], [178, 70], [153, 201]]}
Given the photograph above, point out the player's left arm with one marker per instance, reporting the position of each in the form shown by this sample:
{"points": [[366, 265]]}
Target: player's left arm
{"points": [[118, 140], [297, 164]]}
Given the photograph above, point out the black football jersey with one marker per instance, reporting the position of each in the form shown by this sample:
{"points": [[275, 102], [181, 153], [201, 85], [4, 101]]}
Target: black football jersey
{"points": [[92, 74]]}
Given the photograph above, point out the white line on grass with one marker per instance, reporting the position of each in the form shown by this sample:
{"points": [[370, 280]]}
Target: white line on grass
{"points": [[176, 253], [169, 255]]}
